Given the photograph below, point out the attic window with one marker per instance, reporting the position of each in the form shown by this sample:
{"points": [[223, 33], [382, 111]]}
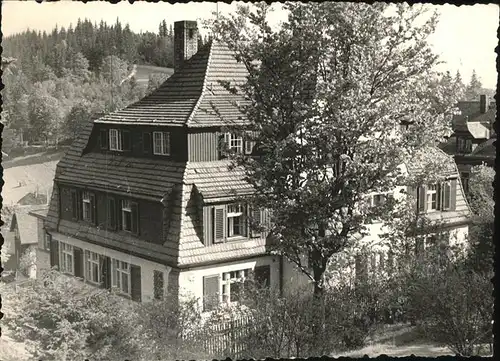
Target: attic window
{"points": [[234, 142], [115, 140], [161, 142]]}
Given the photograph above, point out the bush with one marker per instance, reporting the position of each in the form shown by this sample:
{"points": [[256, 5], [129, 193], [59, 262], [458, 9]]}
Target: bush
{"points": [[454, 306]]}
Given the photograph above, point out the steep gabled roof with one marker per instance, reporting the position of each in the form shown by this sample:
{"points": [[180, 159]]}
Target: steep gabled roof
{"points": [[193, 95]]}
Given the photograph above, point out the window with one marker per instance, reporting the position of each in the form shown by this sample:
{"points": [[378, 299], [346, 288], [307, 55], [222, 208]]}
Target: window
{"points": [[115, 140], [431, 197], [66, 258], [158, 285], [92, 267], [464, 145], [234, 142], [378, 200], [161, 141], [129, 216], [235, 221], [121, 276], [233, 284], [87, 207]]}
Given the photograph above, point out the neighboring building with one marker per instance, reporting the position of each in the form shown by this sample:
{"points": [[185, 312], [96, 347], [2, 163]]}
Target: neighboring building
{"points": [[43, 241], [442, 202], [473, 136], [144, 203], [23, 231]]}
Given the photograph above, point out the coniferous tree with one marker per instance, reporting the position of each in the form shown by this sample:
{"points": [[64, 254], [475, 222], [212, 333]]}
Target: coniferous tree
{"points": [[473, 89]]}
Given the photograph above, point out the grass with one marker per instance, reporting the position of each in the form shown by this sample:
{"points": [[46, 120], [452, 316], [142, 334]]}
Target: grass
{"points": [[398, 340]]}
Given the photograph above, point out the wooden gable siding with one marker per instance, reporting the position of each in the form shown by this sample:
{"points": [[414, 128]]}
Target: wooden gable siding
{"points": [[178, 140], [193, 251], [203, 146], [150, 214]]}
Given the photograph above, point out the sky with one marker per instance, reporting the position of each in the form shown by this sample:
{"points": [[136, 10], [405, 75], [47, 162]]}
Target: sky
{"points": [[465, 37]]}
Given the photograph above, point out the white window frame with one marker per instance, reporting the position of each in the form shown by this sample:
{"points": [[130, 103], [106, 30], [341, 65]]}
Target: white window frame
{"points": [[115, 140], [119, 269], [234, 142], [91, 260], [235, 210], [162, 140], [126, 206], [86, 202], [431, 193], [66, 253], [229, 278]]}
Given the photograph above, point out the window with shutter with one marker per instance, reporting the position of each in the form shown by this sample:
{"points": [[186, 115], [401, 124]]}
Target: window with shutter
{"points": [[219, 223], [115, 140], [210, 292], [104, 139], [158, 285], [453, 194]]}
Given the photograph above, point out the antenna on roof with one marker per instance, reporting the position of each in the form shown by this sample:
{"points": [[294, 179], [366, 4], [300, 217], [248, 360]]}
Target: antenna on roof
{"points": [[217, 10]]}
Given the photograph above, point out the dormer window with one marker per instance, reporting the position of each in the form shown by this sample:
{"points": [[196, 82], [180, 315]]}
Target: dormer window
{"points": [[464, 145], [119, 140], [161, 143], [234, 142], [432, 197], [115, 140]]}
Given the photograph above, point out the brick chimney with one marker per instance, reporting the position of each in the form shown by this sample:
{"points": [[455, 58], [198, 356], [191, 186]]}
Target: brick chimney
{"points": [[185, 42], [483, 103]]}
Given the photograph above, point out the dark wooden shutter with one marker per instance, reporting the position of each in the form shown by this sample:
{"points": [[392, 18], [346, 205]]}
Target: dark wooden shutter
{"points": [[255, 222], [208, 224], [265, 218], [135, 281], [111, 213], [146, 143], [74, 204], [78, 254], [135, 217], [54, 253], [105, 263], [104, 138], [119, 216], [93, 208], [221, 145], [126, 141], [158, 284], [453, 195], [421, 204], [219, 223], [439, 198], [263, 276], [446, 195], [210, 292], [79, 204]]}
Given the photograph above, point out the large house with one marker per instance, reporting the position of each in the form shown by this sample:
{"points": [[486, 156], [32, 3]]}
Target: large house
{"points": [[473, 136], [144, 203]]}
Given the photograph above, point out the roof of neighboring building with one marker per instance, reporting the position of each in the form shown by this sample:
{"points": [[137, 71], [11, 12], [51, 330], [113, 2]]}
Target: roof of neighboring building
{"points": [[40, 213], [193, 95], [450, 146], [26, 224], [486, 149]]}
